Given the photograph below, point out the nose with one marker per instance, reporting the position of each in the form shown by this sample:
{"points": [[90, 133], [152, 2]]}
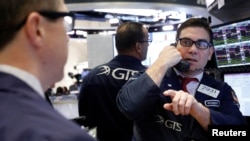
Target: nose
{"points": [[193, 49], [193, 46]]}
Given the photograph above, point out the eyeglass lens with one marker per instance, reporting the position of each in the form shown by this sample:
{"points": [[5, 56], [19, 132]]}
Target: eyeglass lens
{"points": [[68, 23], [201, 44]]}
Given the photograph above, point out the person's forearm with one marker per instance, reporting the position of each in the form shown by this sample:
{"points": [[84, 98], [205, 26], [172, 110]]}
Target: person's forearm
{"points": [[157, 71], [201, 114]]}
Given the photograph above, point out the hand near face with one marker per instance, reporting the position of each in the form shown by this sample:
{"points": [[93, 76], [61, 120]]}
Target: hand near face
{"points": [[170, 56], [183, 103]]}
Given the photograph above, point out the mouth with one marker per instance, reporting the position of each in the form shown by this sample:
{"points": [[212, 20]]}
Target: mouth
{"points": [[190, 60]]}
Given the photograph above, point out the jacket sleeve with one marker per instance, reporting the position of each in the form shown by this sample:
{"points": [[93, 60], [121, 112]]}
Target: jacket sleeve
{"points": [[137, 97], [228, 112]]}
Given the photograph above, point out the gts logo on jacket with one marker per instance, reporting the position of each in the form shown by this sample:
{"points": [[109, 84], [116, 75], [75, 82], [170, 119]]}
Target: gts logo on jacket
{"points": [[168, 123], [117, 73]]}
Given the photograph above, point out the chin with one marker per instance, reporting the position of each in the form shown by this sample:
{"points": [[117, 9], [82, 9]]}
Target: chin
{"points": [[196, 69]]}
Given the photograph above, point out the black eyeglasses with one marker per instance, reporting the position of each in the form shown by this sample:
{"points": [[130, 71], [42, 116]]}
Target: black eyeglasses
{"points": [[69, 19], [200, 44], [148, 41]]}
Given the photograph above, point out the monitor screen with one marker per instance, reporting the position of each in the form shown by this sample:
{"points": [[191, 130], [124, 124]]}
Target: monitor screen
{"points": [[232, 43], [240, 82]]}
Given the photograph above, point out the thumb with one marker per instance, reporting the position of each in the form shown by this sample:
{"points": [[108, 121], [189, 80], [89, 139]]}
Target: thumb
{"points": [[168, 106]]}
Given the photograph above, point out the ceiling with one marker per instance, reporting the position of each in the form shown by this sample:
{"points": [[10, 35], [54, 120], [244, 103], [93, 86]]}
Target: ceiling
{"points": [[147, 16], [147, 12], [154, 15], [233, 10]]}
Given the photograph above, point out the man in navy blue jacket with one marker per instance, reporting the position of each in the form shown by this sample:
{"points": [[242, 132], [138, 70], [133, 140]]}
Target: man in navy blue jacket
{"points": [[97, 98], [33, 52], [159, 106]]}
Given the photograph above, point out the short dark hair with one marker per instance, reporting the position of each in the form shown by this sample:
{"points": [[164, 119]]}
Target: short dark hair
{"points": [[127, 35], [196, 22], [13, 12]]}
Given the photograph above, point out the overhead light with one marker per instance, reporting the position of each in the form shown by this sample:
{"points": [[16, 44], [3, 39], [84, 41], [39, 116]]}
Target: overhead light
{"points": [[71, 32], [141, 12], [107, 32], [83, 33], [114, 21], [109, 16], [167, 27]]}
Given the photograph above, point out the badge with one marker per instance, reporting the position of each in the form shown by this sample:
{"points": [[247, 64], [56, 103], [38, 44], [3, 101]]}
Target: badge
{"points": [[208, 90], [212, 103]]}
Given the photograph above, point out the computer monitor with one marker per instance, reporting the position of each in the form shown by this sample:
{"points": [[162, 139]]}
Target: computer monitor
{"points": [[240, 82], [232, 43]]}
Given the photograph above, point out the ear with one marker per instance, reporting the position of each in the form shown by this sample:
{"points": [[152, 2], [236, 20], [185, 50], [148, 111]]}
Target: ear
{"points": [[34, 28], [138, 47]]}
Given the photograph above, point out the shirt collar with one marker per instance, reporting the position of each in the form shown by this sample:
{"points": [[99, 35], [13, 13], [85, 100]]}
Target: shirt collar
{"points": [[28, 78]]}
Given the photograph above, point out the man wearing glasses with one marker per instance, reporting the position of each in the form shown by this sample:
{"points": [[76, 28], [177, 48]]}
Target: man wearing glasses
{"points": [[33, 52], [97, 97], [157, 102]]}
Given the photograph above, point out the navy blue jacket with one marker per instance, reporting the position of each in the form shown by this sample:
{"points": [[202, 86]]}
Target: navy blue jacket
{"points": [[26, 116], [97, 98], [142, 101]]}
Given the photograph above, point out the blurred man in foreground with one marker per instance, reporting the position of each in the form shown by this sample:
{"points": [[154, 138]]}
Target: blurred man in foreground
{"points": [[33, 51]]}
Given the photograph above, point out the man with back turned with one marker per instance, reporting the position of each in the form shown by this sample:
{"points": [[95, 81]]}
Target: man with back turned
{"points": [[97, 98]]}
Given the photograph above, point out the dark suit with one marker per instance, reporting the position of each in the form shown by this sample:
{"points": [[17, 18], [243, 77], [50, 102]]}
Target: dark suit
{"points": [[142, 101], [26, 116], [98, 94]]}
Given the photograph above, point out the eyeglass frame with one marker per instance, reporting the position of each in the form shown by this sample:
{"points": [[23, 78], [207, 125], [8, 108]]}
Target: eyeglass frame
{"points": [[51, 15], [209, 44], [148, 41]]}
